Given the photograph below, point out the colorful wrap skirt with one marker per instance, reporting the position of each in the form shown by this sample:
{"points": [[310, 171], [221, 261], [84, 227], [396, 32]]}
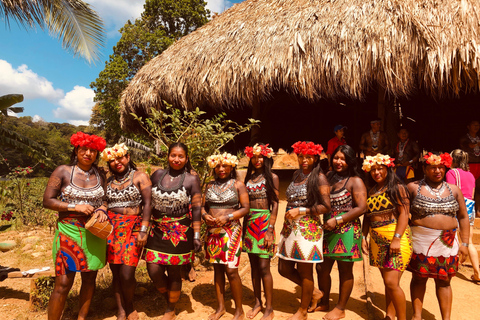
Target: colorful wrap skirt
{"points": [[122, 242], [170, 241], [224, 244], [405, 172], [301, 239], [381, 235], [257, 222], [75, 249], [435, 253], [343, 243]]}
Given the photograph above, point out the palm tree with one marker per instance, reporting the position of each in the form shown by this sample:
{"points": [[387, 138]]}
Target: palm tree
{"points": [[73, 21]]}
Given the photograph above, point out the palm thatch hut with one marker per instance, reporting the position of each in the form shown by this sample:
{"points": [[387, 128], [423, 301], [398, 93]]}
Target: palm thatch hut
{"points": [[262, 50]]}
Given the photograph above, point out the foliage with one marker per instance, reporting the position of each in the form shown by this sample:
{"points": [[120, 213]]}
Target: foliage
{"points": [[73, 21], [40, 295], [51, 137], [203, 137], [161, 23]]}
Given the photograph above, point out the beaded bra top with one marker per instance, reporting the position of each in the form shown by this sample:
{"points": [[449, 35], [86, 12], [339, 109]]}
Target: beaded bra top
{"points": [[379, 204], [297, 194], [222, 196], [423, 206], [78, 195], [257, 190], [128, 197], [173, 201], [341, 200]]}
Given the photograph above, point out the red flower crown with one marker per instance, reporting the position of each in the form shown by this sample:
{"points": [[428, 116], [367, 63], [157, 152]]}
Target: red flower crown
{"points": [[302, 147], [257, 149], [435, 160], [81, 139]]}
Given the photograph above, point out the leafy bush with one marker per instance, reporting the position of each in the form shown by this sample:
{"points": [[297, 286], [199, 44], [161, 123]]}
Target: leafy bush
{"points": [[203, 137], [42, 292]]}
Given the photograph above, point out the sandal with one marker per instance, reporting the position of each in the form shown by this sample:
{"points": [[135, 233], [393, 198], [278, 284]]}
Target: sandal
{"points": [[477, 281]]}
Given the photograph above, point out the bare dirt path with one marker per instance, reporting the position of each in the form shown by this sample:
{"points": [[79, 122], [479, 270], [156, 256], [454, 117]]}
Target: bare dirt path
{"points": [[198, 298]]}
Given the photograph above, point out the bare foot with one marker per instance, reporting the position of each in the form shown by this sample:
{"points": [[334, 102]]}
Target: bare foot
{"points": [[317, 295], [255, 310], [217, 315], [133, 315], [192, 275], [335, 314], [121, 316], [321, 307], [416, 318], [239, 315], [268, 315], [299, 315]]}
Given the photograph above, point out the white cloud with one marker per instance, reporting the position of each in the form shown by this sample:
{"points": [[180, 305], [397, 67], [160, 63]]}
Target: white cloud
{"points": [[37, 118], [76, 106], [115, 13], [218, 6], [78, 122], [25, 81]]}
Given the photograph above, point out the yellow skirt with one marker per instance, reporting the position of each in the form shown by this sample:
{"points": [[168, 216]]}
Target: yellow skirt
{"points": [[381, 235]]}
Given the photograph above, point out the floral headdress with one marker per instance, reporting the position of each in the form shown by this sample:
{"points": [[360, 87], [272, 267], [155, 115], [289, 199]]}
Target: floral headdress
{"points": [[302, 147], [117, 151], [225, 158], [381, 159], [257, 150], [435, 160], [81, 139]]}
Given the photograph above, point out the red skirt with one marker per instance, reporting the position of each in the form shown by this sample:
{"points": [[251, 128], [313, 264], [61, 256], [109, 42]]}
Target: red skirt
{"points": [[122, 242]]}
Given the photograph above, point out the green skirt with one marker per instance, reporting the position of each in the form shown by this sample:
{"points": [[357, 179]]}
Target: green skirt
{"points": [[75, 249], [257, 222], [344, 243]]}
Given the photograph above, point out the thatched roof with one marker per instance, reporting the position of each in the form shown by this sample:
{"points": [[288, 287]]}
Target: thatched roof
{"points": [[314, 49]]}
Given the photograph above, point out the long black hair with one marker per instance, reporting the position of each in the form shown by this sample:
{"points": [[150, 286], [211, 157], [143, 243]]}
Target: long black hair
{"points": [[313, 194], [350, 159], [188, 166], [393, 184], [267, 173]]}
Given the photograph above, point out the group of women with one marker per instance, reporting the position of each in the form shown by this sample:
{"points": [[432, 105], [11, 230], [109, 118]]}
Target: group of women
{"points": [[159, 219]]}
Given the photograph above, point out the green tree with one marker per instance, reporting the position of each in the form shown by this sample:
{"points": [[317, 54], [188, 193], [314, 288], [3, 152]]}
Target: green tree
{"points": [[161, 23], [72, 21]]}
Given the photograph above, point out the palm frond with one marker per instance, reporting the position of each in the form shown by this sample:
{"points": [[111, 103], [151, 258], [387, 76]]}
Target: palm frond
{"points": [[134, 144], [8, 100], [77, 25]]}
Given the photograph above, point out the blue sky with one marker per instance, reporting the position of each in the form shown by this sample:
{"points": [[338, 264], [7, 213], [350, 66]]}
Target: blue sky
{"points": [[55, 84]]}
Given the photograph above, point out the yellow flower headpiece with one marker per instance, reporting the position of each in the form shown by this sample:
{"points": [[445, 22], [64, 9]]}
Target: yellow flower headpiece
{"points": [[117, 151], [382, 159], [225, 158]]}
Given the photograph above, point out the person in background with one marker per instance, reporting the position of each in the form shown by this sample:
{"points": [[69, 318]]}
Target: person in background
{"points": [[374, 141], [460, 176], [471, 144], [336, 141], [406, 154]]}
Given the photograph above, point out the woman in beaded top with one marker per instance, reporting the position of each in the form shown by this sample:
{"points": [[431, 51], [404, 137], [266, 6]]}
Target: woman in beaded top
{"points": [[128, 197], [437, 210], [259, 224], [176, 201], [225, 202], [390, 246], [301, 241], [77, 192], [342, 240]]}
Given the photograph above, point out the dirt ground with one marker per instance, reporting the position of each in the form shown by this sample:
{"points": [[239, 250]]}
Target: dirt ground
{"points": [[198, 298]]}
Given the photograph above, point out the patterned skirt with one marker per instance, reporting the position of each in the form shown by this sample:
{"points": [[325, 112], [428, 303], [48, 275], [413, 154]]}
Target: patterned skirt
{"points": [[75, 249], [254, 239], [435, 253], [170, 241], [301, 240], [381, 235], [122, 242], [345, 241], [224, 244]]}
